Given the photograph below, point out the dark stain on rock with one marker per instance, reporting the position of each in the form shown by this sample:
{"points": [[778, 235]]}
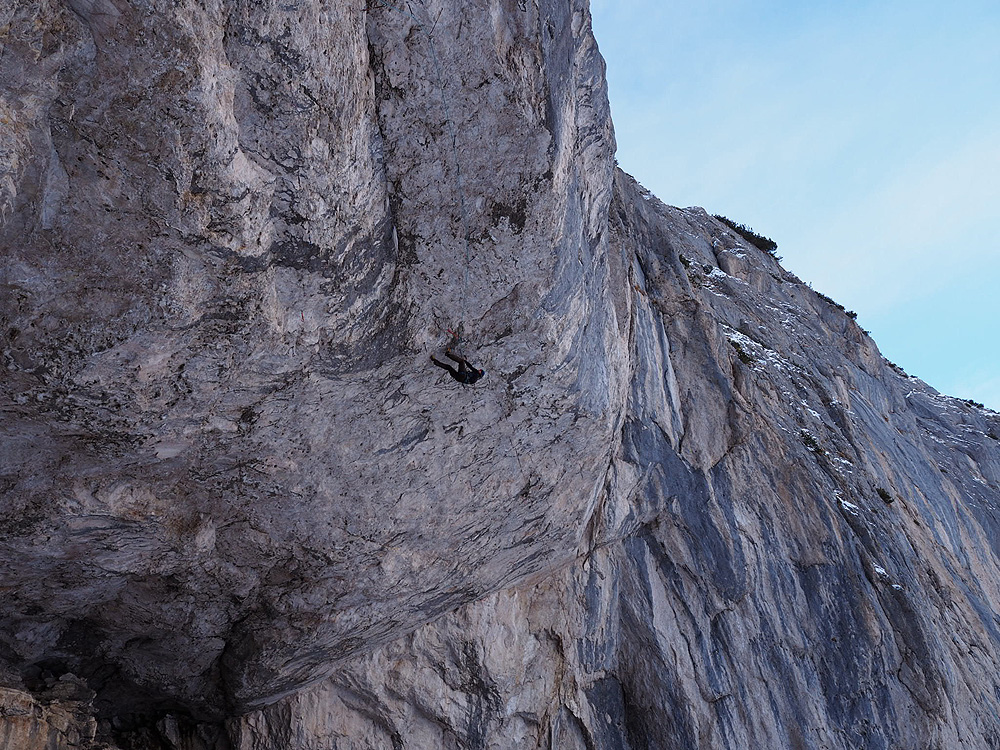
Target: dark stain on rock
{"points": [[299, 254], [514, 213], [484, 698], [608, 700]]}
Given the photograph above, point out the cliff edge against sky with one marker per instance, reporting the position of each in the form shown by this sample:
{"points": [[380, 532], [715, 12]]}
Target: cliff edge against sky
{"points": [[690, 506]]}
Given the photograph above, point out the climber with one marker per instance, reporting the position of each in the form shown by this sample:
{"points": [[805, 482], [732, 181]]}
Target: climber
{"points": [[466, 373]]}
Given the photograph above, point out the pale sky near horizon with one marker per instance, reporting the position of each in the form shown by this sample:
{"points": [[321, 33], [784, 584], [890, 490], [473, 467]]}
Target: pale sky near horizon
{"points": [[863, 137]]}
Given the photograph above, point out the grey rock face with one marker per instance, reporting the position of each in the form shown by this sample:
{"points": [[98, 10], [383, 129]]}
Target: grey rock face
{"points": [[743, 582], [690, 506], [234, 233]]}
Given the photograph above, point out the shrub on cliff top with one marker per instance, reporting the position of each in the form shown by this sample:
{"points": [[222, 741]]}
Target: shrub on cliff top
{"points": [[759, 241]]}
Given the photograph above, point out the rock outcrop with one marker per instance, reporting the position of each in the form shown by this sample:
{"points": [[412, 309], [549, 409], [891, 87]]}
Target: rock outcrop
{"points": [[690, 506], [60, 718]]}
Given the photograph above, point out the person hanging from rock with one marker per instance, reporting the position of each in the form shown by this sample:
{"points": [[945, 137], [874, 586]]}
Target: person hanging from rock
{"points": [[466, 373]]}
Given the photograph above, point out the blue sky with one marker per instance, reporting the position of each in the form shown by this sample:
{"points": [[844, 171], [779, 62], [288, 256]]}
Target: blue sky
{"points": [[862, 136]]}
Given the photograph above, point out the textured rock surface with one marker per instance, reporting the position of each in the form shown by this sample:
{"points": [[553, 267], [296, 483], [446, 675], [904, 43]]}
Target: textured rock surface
{"points": [[743, 583], [691, 505], [234, 232], [61, 720]]}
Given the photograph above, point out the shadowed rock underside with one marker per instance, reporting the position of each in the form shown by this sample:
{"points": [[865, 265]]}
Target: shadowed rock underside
{"points": [[690, 506]]}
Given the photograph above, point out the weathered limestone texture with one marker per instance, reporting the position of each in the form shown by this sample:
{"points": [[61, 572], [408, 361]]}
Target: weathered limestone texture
{"points": [[60, 721], [690, 506], [742, 583]]}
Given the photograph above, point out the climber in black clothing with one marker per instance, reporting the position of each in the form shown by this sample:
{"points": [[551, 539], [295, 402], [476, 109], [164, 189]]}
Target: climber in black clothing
{"points": [[465, 373]]}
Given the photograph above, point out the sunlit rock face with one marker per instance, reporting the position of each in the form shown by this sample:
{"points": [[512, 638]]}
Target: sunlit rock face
{"points": [[233, 233], [690, 505], [796, 547]]}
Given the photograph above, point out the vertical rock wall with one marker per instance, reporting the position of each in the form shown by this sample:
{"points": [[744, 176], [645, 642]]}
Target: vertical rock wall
{"points": [[690, 506], [233, 232], [745, 582]]}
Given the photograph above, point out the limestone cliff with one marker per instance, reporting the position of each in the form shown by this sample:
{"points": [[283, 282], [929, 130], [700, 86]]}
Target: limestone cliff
{"points": [[690, 506]]}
